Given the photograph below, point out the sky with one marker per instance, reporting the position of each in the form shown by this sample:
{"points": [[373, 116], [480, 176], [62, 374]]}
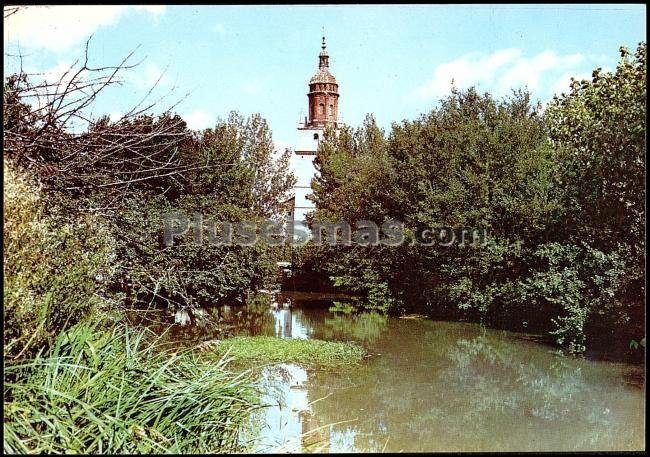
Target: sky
{"points": [[395, 62]]}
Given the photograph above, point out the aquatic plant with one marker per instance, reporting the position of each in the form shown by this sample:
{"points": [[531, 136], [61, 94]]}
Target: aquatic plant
{"points": [[268, 349]]}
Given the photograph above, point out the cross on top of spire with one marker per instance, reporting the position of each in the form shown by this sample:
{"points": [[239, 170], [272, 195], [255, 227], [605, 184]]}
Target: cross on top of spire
{"points": [[323, 74], [323, 56]]}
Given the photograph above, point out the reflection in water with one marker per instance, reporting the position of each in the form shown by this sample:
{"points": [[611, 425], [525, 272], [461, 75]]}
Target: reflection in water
{"points": [[365, 327], [429, 386], [281, 424], [441, 386], [288, 324]]}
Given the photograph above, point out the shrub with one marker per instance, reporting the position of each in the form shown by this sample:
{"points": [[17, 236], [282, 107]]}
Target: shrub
{"points": [[53, 268], [184, 275]]}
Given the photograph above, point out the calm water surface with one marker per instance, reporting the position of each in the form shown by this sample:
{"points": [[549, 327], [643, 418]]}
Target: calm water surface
{"points": [[441, 386]]}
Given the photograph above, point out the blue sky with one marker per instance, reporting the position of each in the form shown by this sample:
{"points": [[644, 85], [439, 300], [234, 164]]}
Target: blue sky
{"points": [[392, 61]]}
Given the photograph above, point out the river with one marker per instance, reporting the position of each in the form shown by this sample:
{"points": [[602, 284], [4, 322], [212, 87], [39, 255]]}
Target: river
{"points": [[433, 386], [442, 386]]}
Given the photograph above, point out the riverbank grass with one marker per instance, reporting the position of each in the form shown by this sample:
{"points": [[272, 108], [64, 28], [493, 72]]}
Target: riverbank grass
{"points": [[115, 391], [268, 349]]}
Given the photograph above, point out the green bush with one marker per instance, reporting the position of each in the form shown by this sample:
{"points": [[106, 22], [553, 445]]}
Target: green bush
{"points": [[563, 289], [184, 275], [53, 267]]}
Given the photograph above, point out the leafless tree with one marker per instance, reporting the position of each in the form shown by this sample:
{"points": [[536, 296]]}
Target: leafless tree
{"points": [[49, 127]]}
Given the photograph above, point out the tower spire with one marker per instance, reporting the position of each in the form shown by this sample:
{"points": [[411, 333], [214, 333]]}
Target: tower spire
{"points": [[323, 57], [323, 93]]}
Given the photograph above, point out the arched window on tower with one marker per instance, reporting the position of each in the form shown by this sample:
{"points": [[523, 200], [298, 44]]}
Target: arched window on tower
{"points": [[321, 109], [331, 111]]}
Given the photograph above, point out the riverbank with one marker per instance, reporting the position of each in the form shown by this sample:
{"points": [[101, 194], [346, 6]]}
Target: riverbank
{"points": [[151, 394], [113, 389]]}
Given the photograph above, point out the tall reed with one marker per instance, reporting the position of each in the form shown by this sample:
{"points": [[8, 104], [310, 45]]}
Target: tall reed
{"points": [[114, 390]]}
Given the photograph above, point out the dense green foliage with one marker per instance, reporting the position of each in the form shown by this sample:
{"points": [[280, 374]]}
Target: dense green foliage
{"points": [[560, 194], [116, 234], [44, 292], [129, 173], [599, 132], [187, 275], [115, 390]]}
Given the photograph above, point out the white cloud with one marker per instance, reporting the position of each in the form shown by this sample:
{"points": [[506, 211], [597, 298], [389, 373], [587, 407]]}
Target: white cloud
{"points": [[61, 71], [528, 71], [498, 72], [200, 119], [156, 10], [58, 28], [146, 75], [143, 76], [466, 71], [563, 82], [115, 116]]}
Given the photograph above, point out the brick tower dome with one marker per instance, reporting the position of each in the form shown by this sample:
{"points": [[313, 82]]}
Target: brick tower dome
{"points": [[323, 94]]}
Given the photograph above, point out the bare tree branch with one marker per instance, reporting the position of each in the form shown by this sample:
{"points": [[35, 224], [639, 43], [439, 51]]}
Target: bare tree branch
{"points": [[10, 10], [41, 127]]}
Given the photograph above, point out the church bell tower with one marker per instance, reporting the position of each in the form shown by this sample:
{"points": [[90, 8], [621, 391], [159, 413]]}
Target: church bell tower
{"points": [[323, 98], [323, 94]]}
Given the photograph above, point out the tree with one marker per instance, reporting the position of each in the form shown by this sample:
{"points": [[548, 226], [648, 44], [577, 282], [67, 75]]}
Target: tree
{"points": [[599, 130], [272, 181], [599, 133], [557, 194], [132, 171]]}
